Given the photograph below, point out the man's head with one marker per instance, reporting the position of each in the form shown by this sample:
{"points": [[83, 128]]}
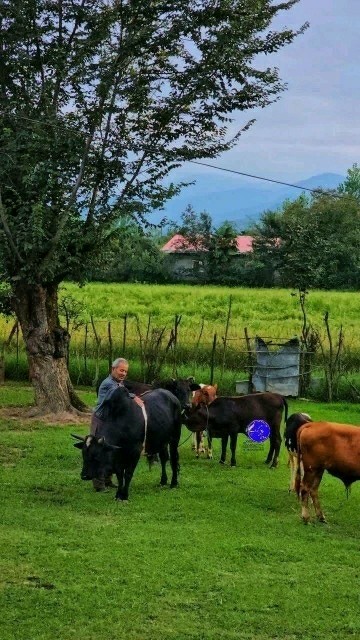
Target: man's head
{"points": [[119, 369]]}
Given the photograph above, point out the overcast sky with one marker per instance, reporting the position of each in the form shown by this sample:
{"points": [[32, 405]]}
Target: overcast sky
{"points": [[314, 127]]}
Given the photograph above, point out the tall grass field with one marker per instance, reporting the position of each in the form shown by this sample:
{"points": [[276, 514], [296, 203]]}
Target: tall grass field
{"points": [[127, 319], [224, 556]]}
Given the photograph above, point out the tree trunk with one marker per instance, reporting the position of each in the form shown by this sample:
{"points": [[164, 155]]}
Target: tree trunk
{"points": [[46, 344]]}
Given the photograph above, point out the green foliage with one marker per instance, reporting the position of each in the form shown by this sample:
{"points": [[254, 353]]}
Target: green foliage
{"points": [[351, 184], [133, 255], [312, 242], [6, 306]]}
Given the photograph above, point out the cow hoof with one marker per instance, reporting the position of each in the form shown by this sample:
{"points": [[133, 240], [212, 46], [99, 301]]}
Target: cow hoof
{"points": [[233, 464], [221, 461], [174, 486], [322, 519], [197, 455], [122, 500]]}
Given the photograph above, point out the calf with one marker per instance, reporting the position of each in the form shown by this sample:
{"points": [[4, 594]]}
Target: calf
{"points": [[205, 395], [325, 446], [227, 416], [293, 422]]}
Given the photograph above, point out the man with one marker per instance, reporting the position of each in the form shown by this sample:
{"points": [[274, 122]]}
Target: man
{"points": [[119, 370]]}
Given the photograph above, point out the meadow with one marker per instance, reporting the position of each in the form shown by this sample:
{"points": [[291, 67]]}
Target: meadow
{"points": [[224, 556], [136, 314]]}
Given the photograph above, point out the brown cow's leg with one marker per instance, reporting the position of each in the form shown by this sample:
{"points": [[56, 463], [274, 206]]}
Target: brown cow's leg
{"points": [[309, 486], [315, 496]]}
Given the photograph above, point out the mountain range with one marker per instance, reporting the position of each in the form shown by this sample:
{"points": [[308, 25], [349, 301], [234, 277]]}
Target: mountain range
{"points": [[241, 204]]}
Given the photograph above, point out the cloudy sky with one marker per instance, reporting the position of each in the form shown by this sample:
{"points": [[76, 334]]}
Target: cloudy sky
{"points": [[314, 127]]}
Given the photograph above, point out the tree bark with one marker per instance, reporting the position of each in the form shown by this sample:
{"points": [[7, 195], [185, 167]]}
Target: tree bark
{"points": [[46, 343]]}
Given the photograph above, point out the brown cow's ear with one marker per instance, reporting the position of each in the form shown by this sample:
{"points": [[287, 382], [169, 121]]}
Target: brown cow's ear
{"points": [[215, 387]]}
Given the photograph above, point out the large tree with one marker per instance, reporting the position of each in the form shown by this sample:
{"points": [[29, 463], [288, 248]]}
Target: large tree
{"points": [[99, 101]]}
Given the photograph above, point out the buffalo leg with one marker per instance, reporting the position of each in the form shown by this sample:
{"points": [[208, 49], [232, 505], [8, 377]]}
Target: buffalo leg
{"points": [[233, 443], [164, 457], [174, 462], [126, 474], [224, 441]]}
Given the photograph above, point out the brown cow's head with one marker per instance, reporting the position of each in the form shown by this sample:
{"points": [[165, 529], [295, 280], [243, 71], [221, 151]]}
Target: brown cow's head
{"points": [[205, 395]]}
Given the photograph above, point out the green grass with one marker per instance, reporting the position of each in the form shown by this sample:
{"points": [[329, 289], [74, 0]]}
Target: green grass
{"points": [[224, 556]]}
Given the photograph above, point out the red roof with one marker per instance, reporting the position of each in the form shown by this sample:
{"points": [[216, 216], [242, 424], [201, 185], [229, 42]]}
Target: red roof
{"points": [[178, 244]]}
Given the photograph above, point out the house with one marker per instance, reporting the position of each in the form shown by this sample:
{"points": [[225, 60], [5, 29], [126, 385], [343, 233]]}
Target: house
{"points": [[188, 261]]}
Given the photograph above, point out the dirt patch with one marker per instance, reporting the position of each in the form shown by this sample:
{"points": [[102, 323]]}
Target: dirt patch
{"points": [[28, 414]]}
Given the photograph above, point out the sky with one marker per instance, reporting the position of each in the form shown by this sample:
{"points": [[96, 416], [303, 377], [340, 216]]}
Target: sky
{"points": [[314, 126]]}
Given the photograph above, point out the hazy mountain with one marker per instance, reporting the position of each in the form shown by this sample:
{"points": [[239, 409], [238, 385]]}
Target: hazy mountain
{"points": [[240, 204]]}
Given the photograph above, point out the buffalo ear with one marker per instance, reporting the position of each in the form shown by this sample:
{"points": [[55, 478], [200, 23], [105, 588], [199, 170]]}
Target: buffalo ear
{"points": [[73, 435], [194, 386], [79, 445], [191, 379]]}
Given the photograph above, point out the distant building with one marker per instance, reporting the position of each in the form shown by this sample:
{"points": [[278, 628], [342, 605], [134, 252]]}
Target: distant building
{"points": [[187, 261]]}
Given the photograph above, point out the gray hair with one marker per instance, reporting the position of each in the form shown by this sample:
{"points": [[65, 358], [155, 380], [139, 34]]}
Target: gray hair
{"points": [[119, 361]]}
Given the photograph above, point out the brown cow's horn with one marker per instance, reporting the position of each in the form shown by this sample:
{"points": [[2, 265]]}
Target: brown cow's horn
{"points": [[78, 437]]}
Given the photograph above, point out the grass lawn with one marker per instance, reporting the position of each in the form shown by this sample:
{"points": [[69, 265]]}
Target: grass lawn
{"points": [[224, 556]]}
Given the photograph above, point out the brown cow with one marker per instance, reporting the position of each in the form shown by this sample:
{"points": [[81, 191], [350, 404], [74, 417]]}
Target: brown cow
{"points": [[325, 446], [229, 415]]}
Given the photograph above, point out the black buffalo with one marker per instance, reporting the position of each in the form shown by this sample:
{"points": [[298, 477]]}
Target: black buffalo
{"points": [[227, 416], [118, 443]]}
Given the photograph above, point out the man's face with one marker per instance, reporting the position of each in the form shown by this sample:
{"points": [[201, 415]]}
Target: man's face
{"points": [[120, 372]]}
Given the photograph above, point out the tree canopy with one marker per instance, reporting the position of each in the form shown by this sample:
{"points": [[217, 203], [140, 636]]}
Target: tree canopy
{"points": [[99, 101], [314, 241]]}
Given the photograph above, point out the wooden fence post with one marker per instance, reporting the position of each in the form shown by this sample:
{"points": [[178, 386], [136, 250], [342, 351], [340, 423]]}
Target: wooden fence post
{"points": [[124, 335], [110, 346], [213, 359]]}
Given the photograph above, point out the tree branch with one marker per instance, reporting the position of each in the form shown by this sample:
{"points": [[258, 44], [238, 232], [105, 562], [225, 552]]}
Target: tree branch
{"points": [[8, 233]]}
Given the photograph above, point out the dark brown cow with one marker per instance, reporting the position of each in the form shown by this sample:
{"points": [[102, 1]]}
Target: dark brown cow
{"points": [[229, 415], [325, 446]]}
